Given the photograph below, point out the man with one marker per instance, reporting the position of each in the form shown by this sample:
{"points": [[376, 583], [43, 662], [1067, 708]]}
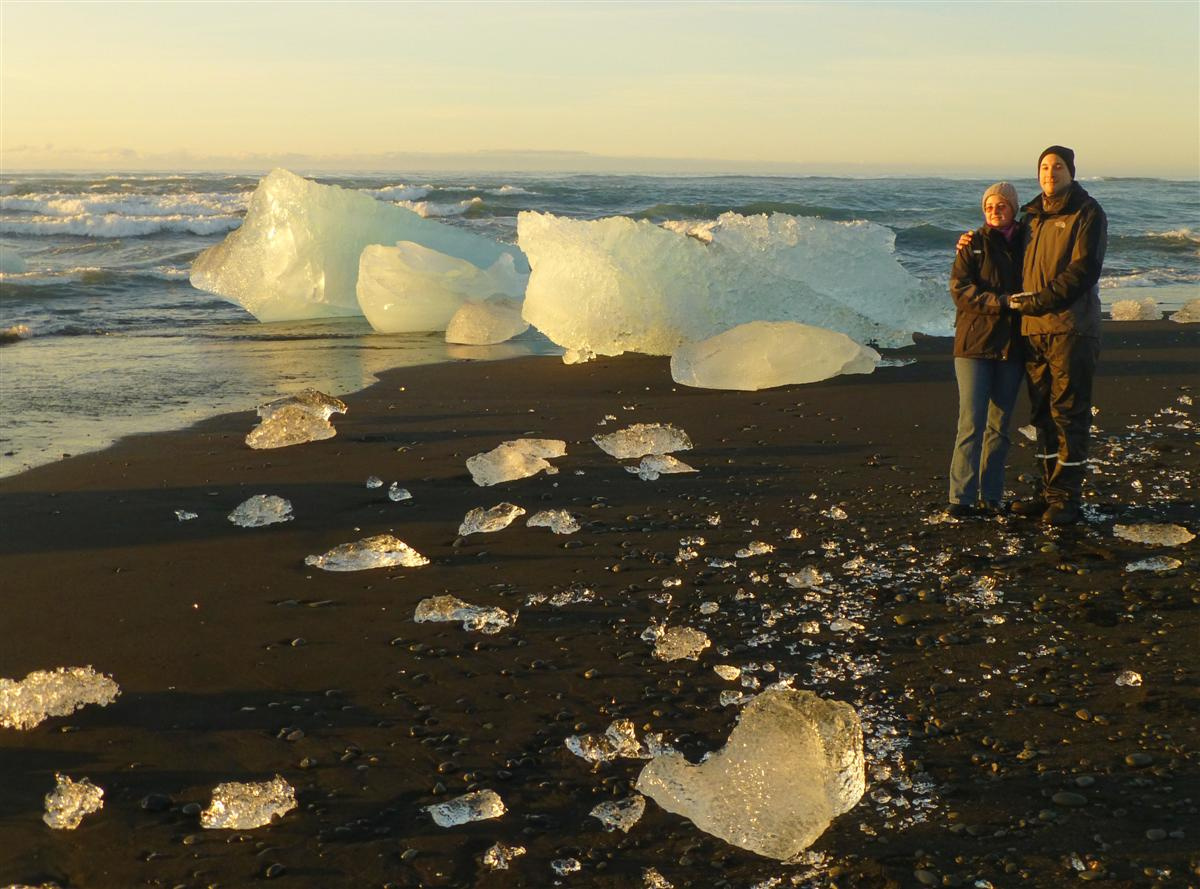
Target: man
{"points": [[1060, 320]]}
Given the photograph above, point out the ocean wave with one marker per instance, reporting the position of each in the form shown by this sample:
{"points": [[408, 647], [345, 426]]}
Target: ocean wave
{"points": [[510, 189], [399, 193], [429, 209], [167, 205], [1179, 234], [754, 208], [114, 225], [31, 283]]}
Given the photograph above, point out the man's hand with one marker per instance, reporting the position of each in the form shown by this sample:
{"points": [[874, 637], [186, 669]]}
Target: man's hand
{"points": [[1018, 300]]}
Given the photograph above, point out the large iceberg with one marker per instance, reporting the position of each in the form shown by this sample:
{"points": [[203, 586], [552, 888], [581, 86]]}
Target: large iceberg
{"points": [[411, 288], [792, 764], [296, 254], [763, 354], [615, 285]]}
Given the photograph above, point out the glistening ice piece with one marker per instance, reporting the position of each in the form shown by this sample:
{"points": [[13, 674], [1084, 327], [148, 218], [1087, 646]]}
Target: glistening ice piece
{"points": [[641, 439], [244, 806], [486, 521], [380, 551], [478, 806], [45, 693], [296, 254], [260, 510], [486, 323], [70, 801], [792, 764], [295, 419], [511, 460], [473, 617], [764, 354]]}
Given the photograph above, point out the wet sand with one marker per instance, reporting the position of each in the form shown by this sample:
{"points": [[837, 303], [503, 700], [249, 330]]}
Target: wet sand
{"points": [[997, 751]]}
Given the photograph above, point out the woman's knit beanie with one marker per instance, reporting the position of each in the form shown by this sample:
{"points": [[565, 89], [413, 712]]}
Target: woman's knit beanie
{"points": [[1006, 191]]}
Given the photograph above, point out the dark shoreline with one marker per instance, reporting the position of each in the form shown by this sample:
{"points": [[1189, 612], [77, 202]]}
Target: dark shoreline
{"points": [[196, 622]]}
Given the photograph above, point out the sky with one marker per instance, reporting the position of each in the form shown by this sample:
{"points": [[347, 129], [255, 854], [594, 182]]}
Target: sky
{"points": [[849, 87]]}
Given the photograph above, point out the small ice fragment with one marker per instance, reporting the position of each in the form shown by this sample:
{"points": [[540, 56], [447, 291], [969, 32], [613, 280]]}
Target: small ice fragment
{"points": [[709, 607], [511, 460], [714, 519], [1189, 314], [573, 595], [727, 671], [835, 512], [380, 551], [564, 866], [668, 582], [792, 764], [795, 534], [654, 465], [501, 855], [652, 879], [1145, 309], [295, 419], [184, 516], [448, 608], [1030, 432], [261, 510], [579, 356], [1155, 563], [620, 814], [731, 697], [374, 482], [46, 693], [1129, 678], [640, 439], [678, 643], [807, 577], [487, 322], [754, 548], [485, 521], [1154, 535], [557, 520], [842, 624], [70, 801], [477, 806], [240, 805], [397, 493], [619, 740]]}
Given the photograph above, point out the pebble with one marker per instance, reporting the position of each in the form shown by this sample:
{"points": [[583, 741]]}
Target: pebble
{"points": [[1138, 760], [1156, 834], [1069, 799], [926, 877]]}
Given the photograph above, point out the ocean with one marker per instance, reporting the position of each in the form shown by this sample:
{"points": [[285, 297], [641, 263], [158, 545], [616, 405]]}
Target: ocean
{"points": [[102, 335]]}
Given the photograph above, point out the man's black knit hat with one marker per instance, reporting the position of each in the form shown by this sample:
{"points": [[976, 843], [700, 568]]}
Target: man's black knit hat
{"points": [[1067, 155]]}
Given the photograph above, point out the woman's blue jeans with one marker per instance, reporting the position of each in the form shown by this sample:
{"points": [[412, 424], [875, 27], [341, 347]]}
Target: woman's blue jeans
{"points": [[987, 392]]}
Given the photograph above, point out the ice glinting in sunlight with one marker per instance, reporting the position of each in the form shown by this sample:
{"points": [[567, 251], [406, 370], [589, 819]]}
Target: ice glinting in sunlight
{"points": [[479, 805], [791, 765], [59, 692], [1160, 564], [487, 322], [1145, 309], [620, 814], [616, 285], [70, 801], [557, 520], [1189, 314], [641, 439], [654, 465], [296, 254], [380, 551], [500, 855], [260, 510], [511, 460], [676, 643], [473, 617], [295, 419], [764, 354], [1154, 534], [619, 741], [408, 288], [487, 521], [239, 805]]}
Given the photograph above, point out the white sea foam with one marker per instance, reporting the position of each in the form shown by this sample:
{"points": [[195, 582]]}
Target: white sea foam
{"points": [[510, 189], [172, 205], [113, 225], [427, 209], [399, 192], [1176, 234]]}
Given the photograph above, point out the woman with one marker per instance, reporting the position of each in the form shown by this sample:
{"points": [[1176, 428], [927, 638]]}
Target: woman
{"points": [[987, 353]]}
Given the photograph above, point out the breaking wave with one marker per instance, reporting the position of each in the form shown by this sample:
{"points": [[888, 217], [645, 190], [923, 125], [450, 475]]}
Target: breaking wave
{"points": [[138, 205], [429, 209], [399, 193], [113, 225]]}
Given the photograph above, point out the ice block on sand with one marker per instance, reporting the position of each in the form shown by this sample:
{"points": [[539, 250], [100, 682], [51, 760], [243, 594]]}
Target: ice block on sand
{"points": [[477, 806], [641, 439], [70, 801], [244, 806], [46, 693], [487, 322], [791, 765], [380, 551], [511, 460]]}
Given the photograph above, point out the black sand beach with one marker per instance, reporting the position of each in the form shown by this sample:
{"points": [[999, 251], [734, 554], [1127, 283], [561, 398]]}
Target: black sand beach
{"points": [[999, 754]]}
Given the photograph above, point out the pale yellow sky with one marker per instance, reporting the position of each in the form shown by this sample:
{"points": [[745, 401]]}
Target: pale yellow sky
{"points": [[950, 88]]}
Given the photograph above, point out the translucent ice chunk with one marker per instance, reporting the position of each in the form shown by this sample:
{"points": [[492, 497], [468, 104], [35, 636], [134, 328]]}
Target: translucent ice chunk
{"points": [[410, 288], [1154, 534], [792, 764], [511, 460], [578, 356], [677, 643], [574, 595], [764, 354], [260, 510], [727, 671], [652, 879], [1145, 309], [184, 515], [296, 254], [807, 577], [641, 439], [486, 323], [70, 801], [380, 551], [754, 548], [240, 805], [295, 419], [557, 520], [620, 814], [478, 806], [1154, 563], [1189, 314], [397, 493], [473, 617], [615, 285], [46, 693], [1129, 678], [564, 866], [485, 521], [500, 855], [618, 741], [373, 482], [654, 465]]}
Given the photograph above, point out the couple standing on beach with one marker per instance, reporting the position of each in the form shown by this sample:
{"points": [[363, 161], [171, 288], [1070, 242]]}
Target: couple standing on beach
{"points": [[1027, 303]]}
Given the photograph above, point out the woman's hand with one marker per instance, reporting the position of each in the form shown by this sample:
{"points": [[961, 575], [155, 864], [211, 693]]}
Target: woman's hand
{"points": [[963, 242]]}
